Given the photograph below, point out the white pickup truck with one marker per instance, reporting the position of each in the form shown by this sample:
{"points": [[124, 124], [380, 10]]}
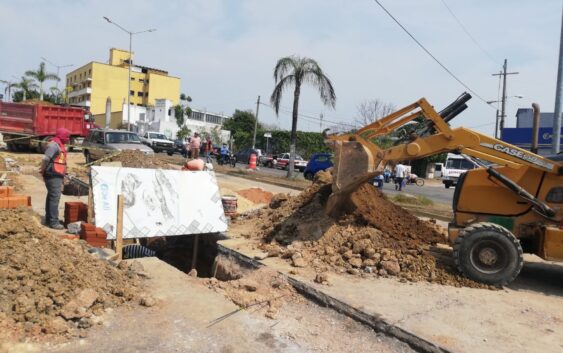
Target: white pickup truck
{"points": [[158, 142]]}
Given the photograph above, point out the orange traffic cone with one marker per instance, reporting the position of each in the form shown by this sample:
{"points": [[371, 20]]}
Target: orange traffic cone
{"points": [[252, 162]]}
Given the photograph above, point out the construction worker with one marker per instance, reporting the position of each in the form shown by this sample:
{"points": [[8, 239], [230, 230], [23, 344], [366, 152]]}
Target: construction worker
{"points": [[53, 170], [195, 145]]}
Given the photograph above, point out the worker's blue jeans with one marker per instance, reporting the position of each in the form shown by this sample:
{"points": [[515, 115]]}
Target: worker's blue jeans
{"points": [[54, 186]]}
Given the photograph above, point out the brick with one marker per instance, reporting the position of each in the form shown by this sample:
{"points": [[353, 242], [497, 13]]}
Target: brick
{"points": [[17, 201], [100, 233], [70, 237], [3, 202], [88, 226], [29, 201], [6, 191]]}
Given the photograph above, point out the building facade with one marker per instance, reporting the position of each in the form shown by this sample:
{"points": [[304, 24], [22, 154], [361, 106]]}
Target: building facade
{"points": [[90, 85], [521, 135]]}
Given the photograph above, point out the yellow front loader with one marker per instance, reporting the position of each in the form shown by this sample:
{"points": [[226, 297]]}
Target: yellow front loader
{"points": [[508, 206]]}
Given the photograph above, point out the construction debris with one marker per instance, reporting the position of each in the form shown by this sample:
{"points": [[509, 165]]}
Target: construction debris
{"points": [[371, 237], [50, 286], [264, 288]]}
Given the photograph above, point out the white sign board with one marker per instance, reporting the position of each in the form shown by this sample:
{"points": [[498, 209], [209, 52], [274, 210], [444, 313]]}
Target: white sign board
{"points": [[268, 134], [157, 202]]}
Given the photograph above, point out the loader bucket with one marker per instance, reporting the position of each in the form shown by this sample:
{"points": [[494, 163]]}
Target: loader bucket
{"points": [[353, 166]]}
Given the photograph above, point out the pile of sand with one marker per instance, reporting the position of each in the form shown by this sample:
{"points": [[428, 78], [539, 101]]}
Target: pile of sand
{"points": [[371, 237], [257, 195], [50, 287]]}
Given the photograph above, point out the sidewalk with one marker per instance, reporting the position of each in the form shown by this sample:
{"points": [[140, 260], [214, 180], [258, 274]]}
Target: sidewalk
{"points": [[526, 317]]}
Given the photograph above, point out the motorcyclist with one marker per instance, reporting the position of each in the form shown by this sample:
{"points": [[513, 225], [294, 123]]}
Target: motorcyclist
{"points": [[224, 154]]}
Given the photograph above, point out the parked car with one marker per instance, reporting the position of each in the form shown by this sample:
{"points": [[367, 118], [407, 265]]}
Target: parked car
{"points": [[158, 142], [243, 156], [180, 147], [102, 142], [283, 162], [319, 161]]}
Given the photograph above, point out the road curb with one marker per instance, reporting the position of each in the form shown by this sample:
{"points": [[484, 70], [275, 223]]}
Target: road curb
{"points": [[373, 321]]}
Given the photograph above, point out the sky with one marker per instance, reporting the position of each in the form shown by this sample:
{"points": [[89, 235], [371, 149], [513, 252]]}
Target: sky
{"points": [[225, 51]]}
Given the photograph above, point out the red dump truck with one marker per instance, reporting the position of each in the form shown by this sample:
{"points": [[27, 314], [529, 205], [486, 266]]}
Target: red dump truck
{"points": [[26, 126]]}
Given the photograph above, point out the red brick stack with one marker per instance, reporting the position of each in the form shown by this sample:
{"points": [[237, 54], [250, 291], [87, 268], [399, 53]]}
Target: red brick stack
{"points": [[8, 199], [96, 237], [75, 211]]}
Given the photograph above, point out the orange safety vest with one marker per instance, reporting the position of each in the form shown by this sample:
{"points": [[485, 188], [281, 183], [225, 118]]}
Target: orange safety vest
{"points": [[59, 162]]}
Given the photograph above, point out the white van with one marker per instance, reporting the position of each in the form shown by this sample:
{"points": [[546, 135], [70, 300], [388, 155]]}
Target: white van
{"points": [[450, 171]]}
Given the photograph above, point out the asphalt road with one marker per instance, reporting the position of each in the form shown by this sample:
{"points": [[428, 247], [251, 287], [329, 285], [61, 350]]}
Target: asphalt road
{"points": [[432, 190], [437, 193]]}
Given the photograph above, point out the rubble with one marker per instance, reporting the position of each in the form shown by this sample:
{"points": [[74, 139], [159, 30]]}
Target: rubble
{"points": [[371, 237], [50, 286]]}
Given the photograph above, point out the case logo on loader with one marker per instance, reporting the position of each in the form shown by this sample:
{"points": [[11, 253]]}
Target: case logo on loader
{"points": [[519, 154]]}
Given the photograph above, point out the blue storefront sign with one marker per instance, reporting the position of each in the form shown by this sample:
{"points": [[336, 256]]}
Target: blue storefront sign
{"points": [[522, 137]]}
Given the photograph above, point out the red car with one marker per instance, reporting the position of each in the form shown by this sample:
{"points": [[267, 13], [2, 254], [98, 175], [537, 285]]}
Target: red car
{"points": [[283, 162]]}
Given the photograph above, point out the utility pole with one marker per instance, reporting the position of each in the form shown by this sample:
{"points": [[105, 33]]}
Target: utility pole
{"points": [[556, 135], [322, 116], [256, 123], [503, 100]]}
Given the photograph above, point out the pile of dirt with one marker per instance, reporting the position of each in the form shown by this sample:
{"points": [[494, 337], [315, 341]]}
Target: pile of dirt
{"points": [[262, 289], [257, 195], [371, 237], [3, 166], [137, 159], [52, 288]]}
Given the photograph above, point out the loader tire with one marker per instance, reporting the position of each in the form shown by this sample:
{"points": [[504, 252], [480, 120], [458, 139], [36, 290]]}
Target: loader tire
{"points": [[488, 253]]}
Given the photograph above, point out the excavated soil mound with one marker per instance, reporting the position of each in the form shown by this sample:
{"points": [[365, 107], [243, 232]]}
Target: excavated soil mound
{"points": [[256, 290], [257, 195], [3, 166], [52, 288], [371, 237], [137, 159]]}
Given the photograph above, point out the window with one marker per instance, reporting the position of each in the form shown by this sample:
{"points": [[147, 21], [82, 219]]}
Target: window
{"points": [[459, 164], [131, 93], [322, 159], [89, 71], [141, 80], [132, 78], [122, 137], [140, 94], [555, 195]]}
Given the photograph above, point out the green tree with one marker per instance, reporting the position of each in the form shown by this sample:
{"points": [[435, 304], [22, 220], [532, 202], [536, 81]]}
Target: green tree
{"points": [[241, 126], [179, 115], [294, 71], [41, 76], [183, 132], [26, 88]]}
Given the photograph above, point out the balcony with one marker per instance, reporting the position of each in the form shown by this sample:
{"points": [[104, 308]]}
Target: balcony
{"points": [[80, 92], [81, 104]]}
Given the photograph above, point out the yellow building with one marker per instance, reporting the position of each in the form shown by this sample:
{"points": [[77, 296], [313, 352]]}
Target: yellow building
{"points": [[91, 85]]}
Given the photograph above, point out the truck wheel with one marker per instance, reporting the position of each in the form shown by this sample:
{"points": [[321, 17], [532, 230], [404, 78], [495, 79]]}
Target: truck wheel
{"points": [[447, 184], [170, 153], [488, 253], [87, 156], [308, 176]]}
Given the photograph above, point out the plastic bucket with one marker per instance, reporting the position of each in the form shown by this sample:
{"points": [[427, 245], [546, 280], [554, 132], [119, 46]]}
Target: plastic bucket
{"points": [[229, 205]]}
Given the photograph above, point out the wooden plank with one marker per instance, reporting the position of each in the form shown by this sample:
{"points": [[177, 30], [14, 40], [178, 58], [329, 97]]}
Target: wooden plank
{"points": [[119, 228], [195, 249], [90, 205]]}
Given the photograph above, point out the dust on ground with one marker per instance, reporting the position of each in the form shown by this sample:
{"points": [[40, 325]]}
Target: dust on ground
{"points": [[372, 237], [53, 289], [263, 290]]}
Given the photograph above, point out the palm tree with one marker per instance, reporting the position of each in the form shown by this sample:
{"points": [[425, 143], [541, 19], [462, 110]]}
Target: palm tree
{"points": [[25, 85], [294, 70], [41, 76], [56, 93]]}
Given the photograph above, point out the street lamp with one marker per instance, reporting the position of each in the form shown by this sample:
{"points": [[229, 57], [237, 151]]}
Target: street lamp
{"points": [[59, 67], [130, 63], [498, 115]]}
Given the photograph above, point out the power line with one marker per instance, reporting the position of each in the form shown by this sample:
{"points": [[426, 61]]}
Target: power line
{"points": [[469, 34], [432, 55], [310, 117]]}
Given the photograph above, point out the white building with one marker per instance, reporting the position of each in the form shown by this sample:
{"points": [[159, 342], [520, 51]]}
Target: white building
{"points": [[161, 118]]}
